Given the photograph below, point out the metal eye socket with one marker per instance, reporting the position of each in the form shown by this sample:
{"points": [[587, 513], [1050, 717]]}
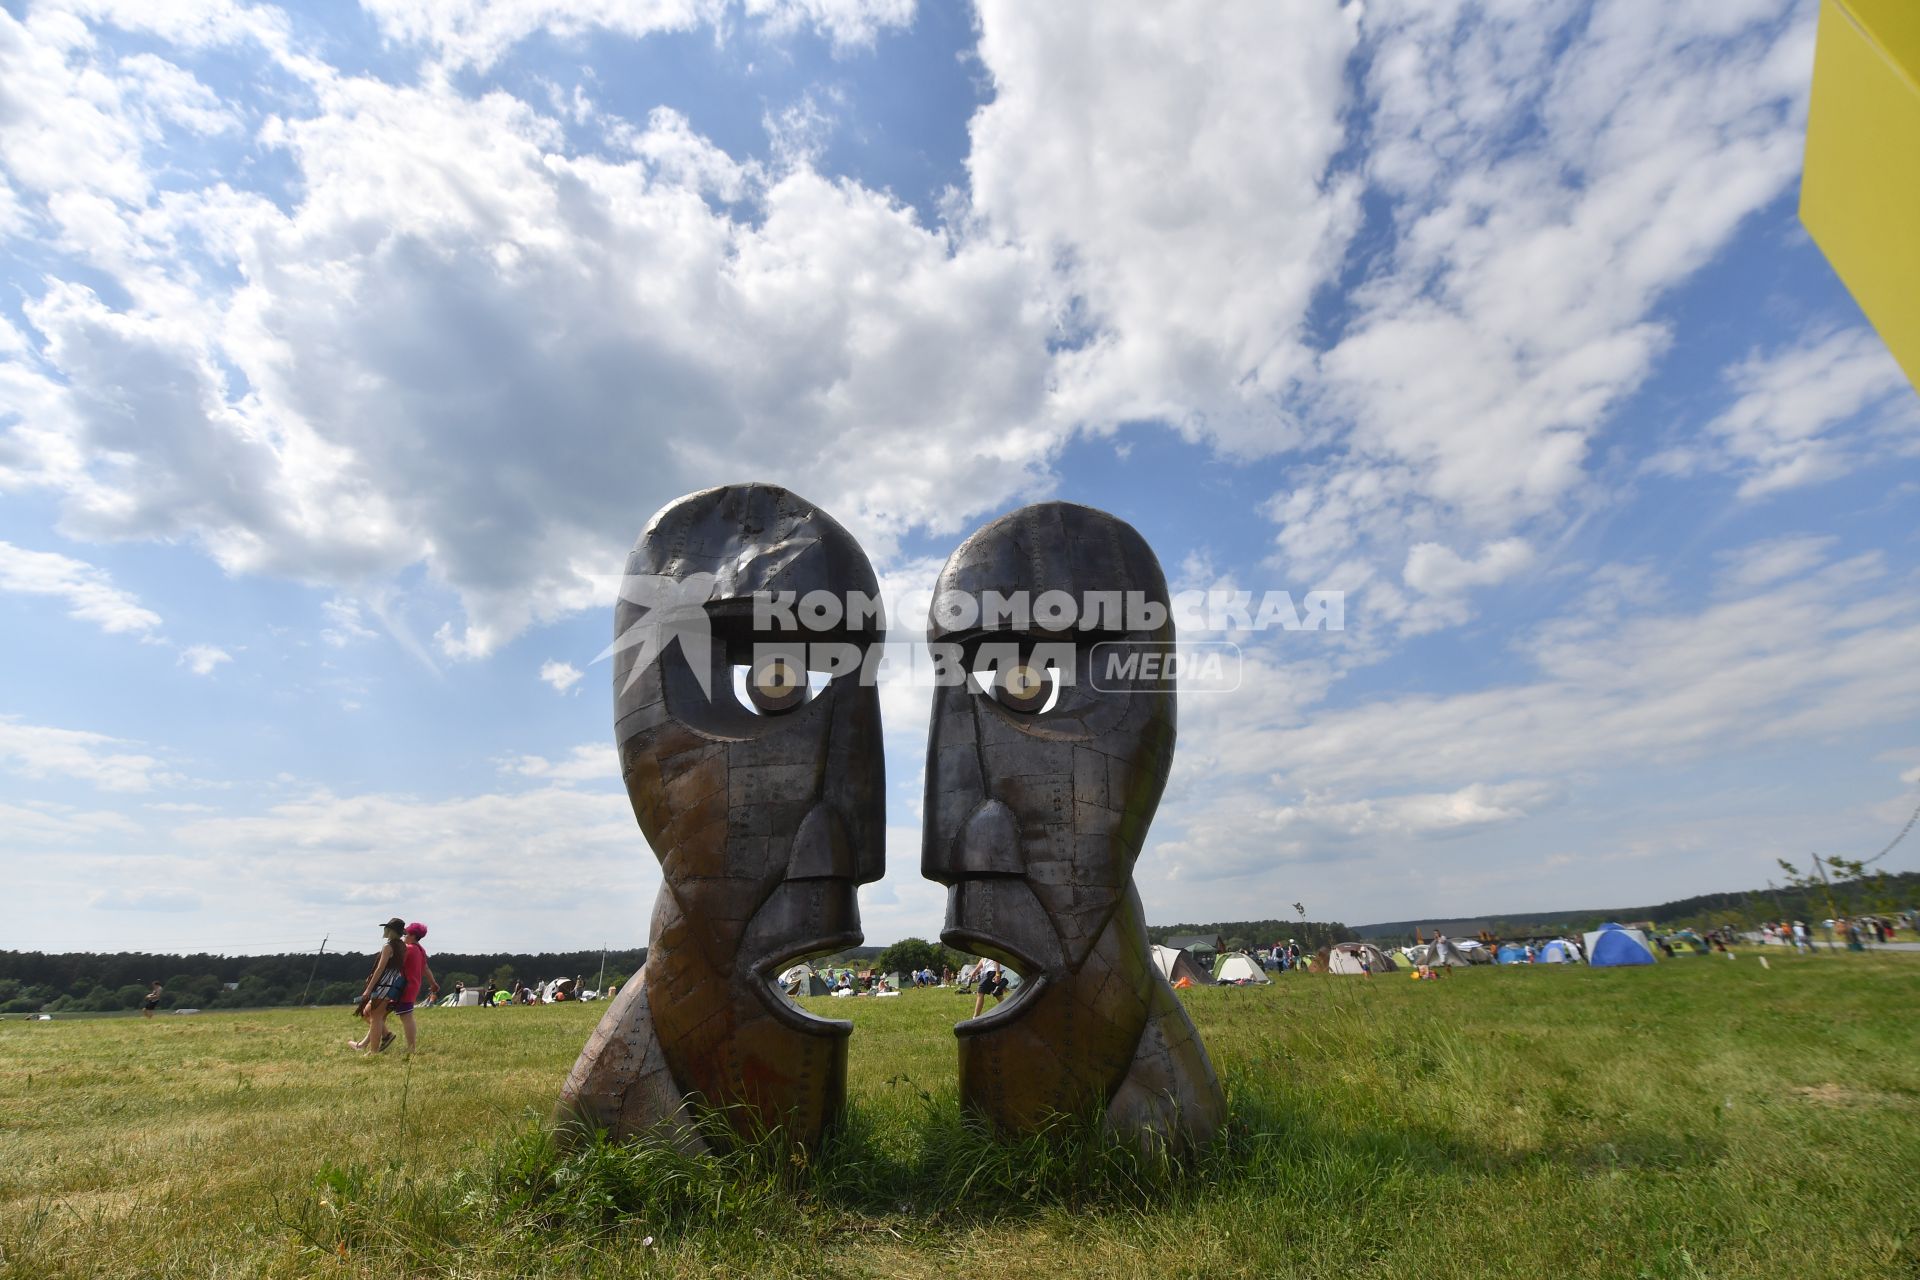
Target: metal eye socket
{"points": [[774, 686], [1025, 687]]}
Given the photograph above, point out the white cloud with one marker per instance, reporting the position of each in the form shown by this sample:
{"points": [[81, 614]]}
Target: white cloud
{"points": [[561, 675], [893, 372], [87, 591], [1556, 169], [201, 659], [175, 95], [1438, 571], [1792, 647], [145, 898], [349, 623], [490, 870], [477, 33], [1774, 560], [40, 823], [590, 762], [42, 751], [1798, 418], [1174, 162]]}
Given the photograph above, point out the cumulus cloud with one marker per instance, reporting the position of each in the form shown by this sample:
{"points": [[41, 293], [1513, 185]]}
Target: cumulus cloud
{"points": [[44, 751], [477, 33], [590, 762], [561, 341], [87, 591], [40, 824], [1436, 570], [201, 659], [1176, 167], [552, 863], [561, 675], [1794, 643], [1553, 171]]}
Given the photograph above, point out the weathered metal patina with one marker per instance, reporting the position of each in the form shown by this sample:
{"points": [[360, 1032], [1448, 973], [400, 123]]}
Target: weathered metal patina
{"points": [[765, 803], [1039, 795]]}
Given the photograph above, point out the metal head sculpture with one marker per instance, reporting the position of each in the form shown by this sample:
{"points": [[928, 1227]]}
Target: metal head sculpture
{"points": [[761, 791], [1039, 795]]}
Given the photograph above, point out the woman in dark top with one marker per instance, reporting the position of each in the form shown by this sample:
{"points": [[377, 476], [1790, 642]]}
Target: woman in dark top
{"points": [[384, 986]]}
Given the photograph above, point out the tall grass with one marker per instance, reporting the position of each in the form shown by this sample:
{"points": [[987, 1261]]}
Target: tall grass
{"points": [[1700, 1118]]}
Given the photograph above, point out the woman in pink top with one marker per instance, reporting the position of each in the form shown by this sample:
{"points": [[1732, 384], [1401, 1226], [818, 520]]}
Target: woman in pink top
{"points": [[414, 965]]}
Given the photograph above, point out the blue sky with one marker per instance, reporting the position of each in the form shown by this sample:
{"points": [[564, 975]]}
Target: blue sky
{"points": [[343, 351]]}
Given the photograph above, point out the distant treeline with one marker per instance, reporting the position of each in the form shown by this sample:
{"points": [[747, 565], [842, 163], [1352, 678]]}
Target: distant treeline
{"points": [[1246, 935], [96, 982], [1877, 894]]}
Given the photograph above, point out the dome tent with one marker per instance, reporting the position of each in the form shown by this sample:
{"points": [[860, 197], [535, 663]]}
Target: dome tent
{"points": [[1613, 944], [1175, 964], [1511, 953], [1346, 958], [1557, 951], [1237, 968]]}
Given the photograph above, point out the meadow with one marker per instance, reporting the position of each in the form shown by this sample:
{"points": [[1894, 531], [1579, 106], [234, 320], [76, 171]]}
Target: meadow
{"points": [[1700, 1118]]}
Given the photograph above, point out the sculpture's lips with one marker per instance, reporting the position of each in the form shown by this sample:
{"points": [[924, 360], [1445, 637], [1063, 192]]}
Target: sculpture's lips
{"points": [[1030, 970], [780, 1004], [1006, 1011]]}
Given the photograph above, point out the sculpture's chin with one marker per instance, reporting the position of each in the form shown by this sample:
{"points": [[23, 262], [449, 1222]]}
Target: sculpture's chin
{"points": [[783, 1007], [1008, 1010]]}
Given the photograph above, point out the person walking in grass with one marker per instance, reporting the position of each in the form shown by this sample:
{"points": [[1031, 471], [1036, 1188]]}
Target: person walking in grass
{"points": [[414, 968], [152, 1001], [991, 982], [384, 986]]}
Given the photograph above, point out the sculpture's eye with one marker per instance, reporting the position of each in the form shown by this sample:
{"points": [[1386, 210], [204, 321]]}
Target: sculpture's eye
{"points": [[776, 685], [1018, 682], [1026, 687]]}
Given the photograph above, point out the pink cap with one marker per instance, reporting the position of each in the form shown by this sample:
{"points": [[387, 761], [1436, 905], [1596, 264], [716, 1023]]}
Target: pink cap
{"points": [[417, 929]]}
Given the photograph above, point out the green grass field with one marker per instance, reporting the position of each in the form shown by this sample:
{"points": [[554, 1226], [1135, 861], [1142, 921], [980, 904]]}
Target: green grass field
{"points": [[1702, 1118]]}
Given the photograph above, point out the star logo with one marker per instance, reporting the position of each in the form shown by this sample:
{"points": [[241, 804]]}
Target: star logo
{"points": [[675, 610]]}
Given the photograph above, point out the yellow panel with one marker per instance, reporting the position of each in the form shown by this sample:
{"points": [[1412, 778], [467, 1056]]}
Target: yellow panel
{"points": [[1860, 195], [1894, 25]]}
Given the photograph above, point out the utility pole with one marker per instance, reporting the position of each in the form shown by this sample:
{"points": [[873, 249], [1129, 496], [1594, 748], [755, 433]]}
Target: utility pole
{"points": [[1833, 912], [601, 983], [315, 969]]}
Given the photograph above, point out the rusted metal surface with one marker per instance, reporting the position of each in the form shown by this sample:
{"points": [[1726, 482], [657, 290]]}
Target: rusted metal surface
{"points": [[1036, 810], [766, 812]]}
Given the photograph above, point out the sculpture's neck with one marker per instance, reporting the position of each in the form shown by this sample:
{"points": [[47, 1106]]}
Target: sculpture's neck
{"points": [[1071, 1047], [723, 1043]]}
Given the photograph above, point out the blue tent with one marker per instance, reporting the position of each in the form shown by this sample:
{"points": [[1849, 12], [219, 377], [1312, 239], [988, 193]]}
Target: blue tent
{"points": [[1556, 952], [1612, 944], [1511, 953]]}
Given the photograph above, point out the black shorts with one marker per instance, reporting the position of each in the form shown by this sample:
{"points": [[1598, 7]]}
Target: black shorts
{"points": [[151, 1005], [993, 986]]}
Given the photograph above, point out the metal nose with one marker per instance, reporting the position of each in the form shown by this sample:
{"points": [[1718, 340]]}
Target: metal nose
{"points": [[821, 849], [988, 844]]}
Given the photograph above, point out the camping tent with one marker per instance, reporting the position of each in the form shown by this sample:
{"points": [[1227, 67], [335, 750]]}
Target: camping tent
{"points": [[1511, 953], [1557, 951], [1611, 945], [1175, 964], [1474, 951], [1445, 951], [1418, 955], [801, 980], [1240, 969], [1347, 957]]}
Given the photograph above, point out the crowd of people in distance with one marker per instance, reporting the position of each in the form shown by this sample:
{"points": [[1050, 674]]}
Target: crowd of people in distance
{"points": [[1283, 957], [1855, 933]]}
